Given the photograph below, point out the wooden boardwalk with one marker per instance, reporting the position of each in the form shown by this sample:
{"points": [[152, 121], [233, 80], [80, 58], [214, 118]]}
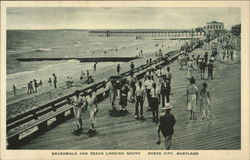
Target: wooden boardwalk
{"points": [[221, 132]]}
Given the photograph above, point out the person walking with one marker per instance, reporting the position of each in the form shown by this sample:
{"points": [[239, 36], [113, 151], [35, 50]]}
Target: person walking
{"points": [[155, 97], [203, 68], [180, 60], [206, 57], [140, 97], [166, 126], [41, 83], [210, 68], [160, 73], [190, 68], [55, 80], [198, 60], [95, 66], [124, 95], [192, 97], [29, 91], [165, 92], [112, 86], [148, 85], [87, 73], [118, 69], [78, 105], [205, 101], [132, 66], [231, 55], [35, 85], [31, 87], [132, 82], [169, 75], [148, 74], [14, 89], [93, 109]]}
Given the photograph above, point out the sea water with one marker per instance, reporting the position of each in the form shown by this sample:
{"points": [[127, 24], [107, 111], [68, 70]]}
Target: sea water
{"points": [[57, 43], [62, 44]]}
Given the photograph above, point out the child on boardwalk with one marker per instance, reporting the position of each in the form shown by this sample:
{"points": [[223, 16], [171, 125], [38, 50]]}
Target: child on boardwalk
{"points": [[205, 100]]}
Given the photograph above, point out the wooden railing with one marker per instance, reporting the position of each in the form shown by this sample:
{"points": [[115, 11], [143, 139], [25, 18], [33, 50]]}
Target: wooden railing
{"points": [[36, 121]]}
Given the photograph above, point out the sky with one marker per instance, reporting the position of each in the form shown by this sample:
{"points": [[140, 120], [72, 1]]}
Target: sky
{"points": [[118, 18]]}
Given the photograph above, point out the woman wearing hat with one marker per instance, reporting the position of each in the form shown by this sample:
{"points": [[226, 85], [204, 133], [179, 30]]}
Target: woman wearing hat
{"points": [[192, 97], [190, 68], [112, 85], [93, 109], [78, 103], [205, 100], [166, 126]]}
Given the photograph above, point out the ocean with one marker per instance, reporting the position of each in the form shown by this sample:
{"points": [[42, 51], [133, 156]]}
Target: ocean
{"points": [[62, 43]]}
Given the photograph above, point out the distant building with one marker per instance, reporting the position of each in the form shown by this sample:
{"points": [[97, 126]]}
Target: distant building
{"points": [[213, 26]]}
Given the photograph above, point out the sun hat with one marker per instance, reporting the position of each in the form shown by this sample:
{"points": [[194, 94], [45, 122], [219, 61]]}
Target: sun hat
{"points": [[167, 106]]}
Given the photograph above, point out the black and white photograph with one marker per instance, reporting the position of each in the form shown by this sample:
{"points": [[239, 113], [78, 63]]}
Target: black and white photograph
{"points": [[123, 78]]}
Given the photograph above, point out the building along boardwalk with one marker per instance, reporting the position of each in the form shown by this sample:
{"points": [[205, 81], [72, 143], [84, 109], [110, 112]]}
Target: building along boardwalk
{"points": [[220, 132]]}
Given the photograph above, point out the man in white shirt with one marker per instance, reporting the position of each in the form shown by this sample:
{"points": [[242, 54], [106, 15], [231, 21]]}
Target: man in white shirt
{"points": [[155, 97], [140, 96], [160, 73]]}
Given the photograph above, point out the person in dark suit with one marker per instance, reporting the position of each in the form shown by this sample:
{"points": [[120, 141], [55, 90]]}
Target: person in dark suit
{"points": [[166, 126]]}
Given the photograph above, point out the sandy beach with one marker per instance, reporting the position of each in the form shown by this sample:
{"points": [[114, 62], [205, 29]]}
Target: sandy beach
{"points": [[22, 102]]}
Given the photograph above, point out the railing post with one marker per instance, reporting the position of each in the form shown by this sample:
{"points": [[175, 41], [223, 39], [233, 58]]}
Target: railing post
{"points": [[53, 107], [42, 127], [60, 117], [35, 116]]}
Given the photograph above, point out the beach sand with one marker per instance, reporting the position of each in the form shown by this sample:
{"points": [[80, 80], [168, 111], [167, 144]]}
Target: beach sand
{"points": [[22, 102]]}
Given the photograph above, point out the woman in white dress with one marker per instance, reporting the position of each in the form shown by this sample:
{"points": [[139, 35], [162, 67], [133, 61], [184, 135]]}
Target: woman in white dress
{"points": [[190, 68], [192, 97], [93, 109], [205, 100], [78, 104]]}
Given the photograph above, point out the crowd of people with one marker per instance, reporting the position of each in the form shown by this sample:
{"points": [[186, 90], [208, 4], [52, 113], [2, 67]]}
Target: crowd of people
{"points": [[154, 90], [32, 86]]}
